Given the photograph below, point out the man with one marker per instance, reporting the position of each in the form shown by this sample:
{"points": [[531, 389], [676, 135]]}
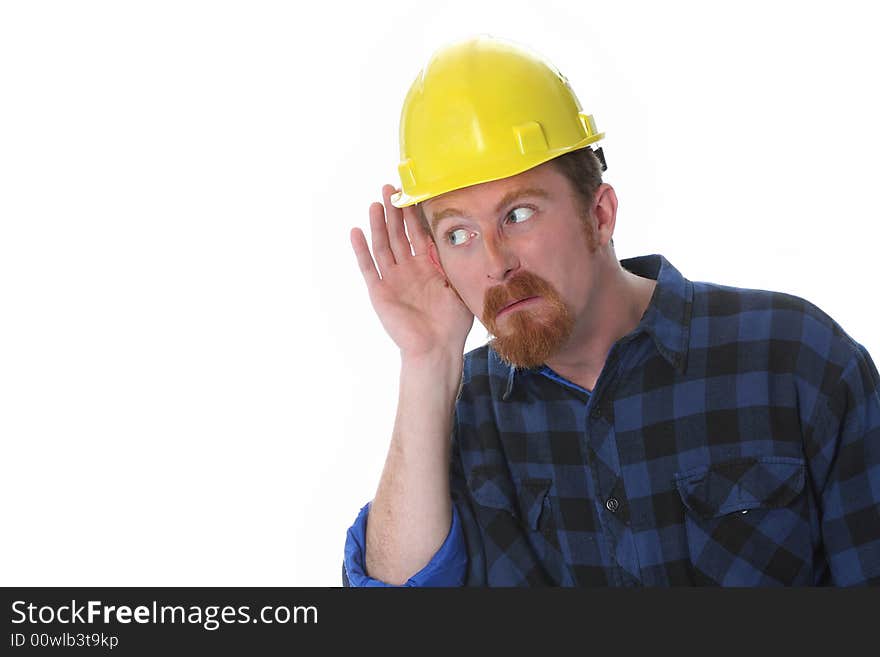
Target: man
{"points": [[625, 426]]}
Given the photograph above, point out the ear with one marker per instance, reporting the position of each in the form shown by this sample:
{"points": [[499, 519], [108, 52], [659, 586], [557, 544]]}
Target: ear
{"points": [[605, 211], [435, 258]]}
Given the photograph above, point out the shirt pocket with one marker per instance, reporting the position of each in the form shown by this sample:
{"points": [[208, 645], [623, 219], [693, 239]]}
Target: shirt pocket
{"points": [[517, 520], [526, 500], [747, 521], [514, 509]]}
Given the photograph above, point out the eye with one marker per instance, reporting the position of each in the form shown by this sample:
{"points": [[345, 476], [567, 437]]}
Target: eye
{"points": [[458, 236], [520, 215]]}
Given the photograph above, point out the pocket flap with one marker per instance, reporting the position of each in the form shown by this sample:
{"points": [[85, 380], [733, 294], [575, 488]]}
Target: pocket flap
{"points": [[523, 500], [493, 489], [533, 492], [741, 484]]}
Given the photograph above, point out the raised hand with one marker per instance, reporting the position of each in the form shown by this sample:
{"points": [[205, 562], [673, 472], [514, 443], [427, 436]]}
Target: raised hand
{"points": [[409, 292]]}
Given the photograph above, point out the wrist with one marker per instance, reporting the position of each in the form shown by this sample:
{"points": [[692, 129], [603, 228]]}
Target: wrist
{"points": [[439, 357], [436, 374]]}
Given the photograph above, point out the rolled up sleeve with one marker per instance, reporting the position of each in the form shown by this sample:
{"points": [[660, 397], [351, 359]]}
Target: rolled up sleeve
{"points": [[447, 567]]}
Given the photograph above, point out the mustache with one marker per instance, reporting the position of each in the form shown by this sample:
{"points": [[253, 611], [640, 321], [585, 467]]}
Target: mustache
{"points": [[521, 285]]}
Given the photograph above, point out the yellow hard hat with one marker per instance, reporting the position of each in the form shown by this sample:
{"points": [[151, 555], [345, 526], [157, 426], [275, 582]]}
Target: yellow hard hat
{"points": [[482, 109]]}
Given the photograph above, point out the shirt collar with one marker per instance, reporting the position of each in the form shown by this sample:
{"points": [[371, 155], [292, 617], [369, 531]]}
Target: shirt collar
{"points": [[667, 319]]}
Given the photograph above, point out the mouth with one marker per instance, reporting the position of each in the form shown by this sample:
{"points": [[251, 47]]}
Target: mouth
{"points": [[516, 305]]}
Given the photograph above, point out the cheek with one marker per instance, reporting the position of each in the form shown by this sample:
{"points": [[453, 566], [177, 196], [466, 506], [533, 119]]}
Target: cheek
{"points": [[569, 271], [469, 291], [473, 298]]}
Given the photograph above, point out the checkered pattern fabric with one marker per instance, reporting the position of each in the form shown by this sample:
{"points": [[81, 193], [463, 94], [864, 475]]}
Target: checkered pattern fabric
{"points": [[732, 438]]}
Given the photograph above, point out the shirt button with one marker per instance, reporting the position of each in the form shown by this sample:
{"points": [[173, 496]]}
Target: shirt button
{"points": [[612, 504]]}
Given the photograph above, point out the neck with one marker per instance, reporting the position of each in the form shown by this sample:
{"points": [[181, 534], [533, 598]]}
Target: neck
{"points": [[620, 299]]}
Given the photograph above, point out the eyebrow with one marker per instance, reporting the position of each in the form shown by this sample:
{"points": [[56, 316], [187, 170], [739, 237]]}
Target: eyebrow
{"points": [[508, 198]]}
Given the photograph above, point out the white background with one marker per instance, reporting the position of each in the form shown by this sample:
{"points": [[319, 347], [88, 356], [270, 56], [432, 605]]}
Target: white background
{"points": [[194, 389]]}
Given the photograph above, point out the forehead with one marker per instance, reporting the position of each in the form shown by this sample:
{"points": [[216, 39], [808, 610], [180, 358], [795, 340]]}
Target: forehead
{"points": [[484, 196]]}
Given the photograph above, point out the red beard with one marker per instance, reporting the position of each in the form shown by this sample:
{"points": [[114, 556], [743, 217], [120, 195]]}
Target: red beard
{"points": [[531, 335]]}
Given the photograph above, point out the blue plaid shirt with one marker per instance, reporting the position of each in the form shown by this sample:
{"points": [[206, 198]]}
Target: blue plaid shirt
{"points": [[732, 438]]}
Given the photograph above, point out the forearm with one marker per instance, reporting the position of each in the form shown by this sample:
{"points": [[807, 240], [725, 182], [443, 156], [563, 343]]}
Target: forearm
{"points": [[411, 512]]}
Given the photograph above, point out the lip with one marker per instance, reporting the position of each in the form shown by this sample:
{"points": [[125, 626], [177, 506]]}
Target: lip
{"points": [[516, 305]]}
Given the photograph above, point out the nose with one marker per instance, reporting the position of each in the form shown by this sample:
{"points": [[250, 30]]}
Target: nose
{"points": [[501, 260]]}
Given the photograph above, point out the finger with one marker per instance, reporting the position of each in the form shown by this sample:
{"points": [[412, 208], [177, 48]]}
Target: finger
{"points": [[420, 239], [379, 236], [364, 259], [400, 245]]}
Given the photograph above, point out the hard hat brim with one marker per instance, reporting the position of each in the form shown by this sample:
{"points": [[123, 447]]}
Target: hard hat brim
{"points": [[402, 200]]}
